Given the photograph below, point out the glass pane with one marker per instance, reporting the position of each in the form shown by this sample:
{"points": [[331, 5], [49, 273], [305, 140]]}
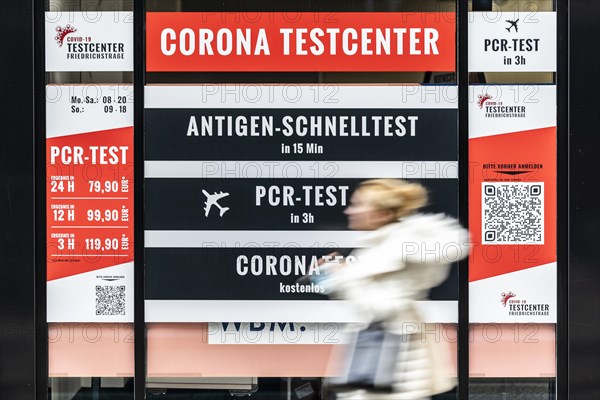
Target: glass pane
{"points": [[252, 160], [89, 139], [512, 59]]}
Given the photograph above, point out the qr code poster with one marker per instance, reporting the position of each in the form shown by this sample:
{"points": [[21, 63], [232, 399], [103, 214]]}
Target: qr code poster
{"points": [[110, 300], [512, 213]]}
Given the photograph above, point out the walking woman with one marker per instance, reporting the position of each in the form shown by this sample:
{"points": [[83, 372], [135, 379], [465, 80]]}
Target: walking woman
{"points": [[404, 254]]}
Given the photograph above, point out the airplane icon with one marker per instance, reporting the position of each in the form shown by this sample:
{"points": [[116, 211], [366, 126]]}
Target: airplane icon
{"points": [[212, 200], [512, 24]]}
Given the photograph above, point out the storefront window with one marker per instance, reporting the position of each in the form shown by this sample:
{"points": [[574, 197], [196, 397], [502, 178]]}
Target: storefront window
{"points": [[261, 121], [90, 188], [230, 206], [513, 270]]}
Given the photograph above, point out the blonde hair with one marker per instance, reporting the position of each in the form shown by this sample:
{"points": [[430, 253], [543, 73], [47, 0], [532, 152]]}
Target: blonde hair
{"points": [[400, 197]]}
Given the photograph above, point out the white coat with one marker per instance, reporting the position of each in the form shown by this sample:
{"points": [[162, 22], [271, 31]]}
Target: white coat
{"points": [[397, 266]]}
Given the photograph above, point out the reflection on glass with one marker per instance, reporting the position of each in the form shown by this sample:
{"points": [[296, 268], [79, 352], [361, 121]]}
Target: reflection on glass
{"points": [[88, 360]]}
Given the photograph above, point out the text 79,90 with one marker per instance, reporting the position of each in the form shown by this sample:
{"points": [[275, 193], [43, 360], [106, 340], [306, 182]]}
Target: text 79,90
{"points": [[109, 186]]}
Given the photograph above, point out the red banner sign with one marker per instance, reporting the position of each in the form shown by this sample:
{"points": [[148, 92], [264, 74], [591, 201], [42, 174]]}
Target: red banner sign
{"points": [[300, 42]]}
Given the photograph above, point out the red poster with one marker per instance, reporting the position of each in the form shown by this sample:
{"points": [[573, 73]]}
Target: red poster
{"points": [[300, 41], [512, 204], [89, 203]]}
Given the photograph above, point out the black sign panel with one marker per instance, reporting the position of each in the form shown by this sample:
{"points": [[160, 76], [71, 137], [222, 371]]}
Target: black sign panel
{"points": [[241, 274], [301, 134], [265, 204]]}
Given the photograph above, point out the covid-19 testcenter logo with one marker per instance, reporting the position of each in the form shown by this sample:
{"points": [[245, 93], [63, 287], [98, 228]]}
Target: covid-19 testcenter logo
{"points": [[84, 47], [516, 306], [494, 108]]}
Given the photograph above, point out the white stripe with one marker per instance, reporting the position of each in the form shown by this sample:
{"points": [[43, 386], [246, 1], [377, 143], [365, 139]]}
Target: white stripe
{"points": [[279, 311], [267, 239], [248, 311], [302, 96], [302, 169]]}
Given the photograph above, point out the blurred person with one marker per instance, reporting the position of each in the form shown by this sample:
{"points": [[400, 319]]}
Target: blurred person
{"points": [[405, 253]]}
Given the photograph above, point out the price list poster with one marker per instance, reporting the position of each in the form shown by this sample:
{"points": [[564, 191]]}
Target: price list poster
{"points": [[89, 172]]}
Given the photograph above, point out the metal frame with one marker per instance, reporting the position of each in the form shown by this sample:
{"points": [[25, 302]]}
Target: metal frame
{"points": [[17, 203], [41, 347], [562, 248], [462, 45], [580, 332], [139, 68]]}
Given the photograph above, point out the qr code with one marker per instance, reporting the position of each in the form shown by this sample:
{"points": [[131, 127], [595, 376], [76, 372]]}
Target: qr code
{"points": [[513, 213], [110, 300]]}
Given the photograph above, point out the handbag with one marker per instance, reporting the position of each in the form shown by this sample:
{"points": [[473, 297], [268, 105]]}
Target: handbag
{"points": [[371, 360]]}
